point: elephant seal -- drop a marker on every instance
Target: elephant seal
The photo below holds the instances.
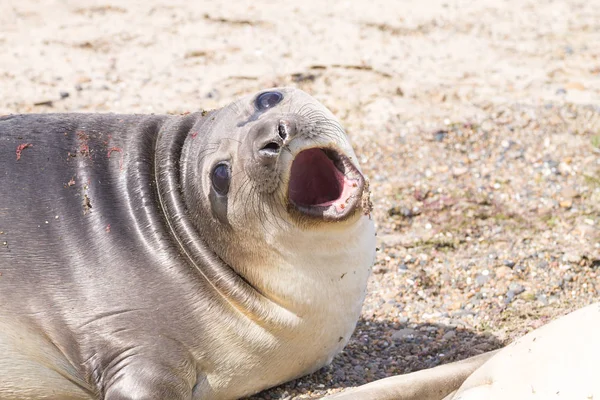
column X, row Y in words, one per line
column 559, row 360
column 201, row 256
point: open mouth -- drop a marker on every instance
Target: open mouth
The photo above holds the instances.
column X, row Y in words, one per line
column 324, row 183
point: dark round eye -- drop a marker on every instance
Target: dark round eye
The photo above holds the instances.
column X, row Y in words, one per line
column 221, row 176
column 268, row 99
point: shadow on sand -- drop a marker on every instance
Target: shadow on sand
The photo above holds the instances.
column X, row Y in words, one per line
column 381, row 349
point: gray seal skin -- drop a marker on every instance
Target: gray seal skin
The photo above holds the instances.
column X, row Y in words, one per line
column 203, row 256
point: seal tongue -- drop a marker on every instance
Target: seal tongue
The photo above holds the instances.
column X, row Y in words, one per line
column 314, row 179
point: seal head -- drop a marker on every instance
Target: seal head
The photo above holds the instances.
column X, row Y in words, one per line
column 288, row 153
column 271, row 165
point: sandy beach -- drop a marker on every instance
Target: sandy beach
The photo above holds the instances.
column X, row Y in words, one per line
column 478, row 124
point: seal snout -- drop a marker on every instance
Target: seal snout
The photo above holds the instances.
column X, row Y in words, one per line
column 324, row 183
column 272, row 137
column 283, row 129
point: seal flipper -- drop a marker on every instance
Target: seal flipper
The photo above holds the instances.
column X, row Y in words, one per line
column 432, row 384
column 147, row 382
column 151, row 378
column 154, row 367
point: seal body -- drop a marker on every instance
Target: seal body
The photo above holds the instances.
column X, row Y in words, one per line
column 209, row 255
column 558, row 360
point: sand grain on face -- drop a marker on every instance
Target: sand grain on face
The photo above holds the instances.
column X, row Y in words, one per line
column 477, row 123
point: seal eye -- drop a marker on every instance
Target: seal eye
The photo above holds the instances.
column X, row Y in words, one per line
column 268, row 99
column 221, row 176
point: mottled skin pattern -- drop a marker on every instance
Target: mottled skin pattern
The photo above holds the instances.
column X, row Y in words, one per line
column 123, row 276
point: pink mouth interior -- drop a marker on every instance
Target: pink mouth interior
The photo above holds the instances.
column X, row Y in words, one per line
column 315, row 180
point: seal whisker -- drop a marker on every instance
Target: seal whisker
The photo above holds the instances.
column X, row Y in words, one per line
column 317, row 115
column 241, row 186
column 318, row 122
column 240, row 189
column 205, row 153
column 248, row 203
column 335, row 126
column 304, row 108
column 324, row 129
column 266, row 214
column 238, row 141
column 329, row 130
column 236, row 106
column 259, row 208
column 256, row 206
column 277, row 204
column 268, row 208
column 291, row 103
column 314, row 114
column 209, row 147
column 330, row 135
column 272, row 207
column 326, row 122
column 208, row 150
column 261, row 212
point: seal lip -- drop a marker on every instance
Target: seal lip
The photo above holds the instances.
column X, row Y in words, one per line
column 339, row 202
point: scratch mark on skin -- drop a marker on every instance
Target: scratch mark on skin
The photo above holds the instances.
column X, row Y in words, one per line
column 22, row 147
column 84, row 148
column 87, row 204
column 120, row 151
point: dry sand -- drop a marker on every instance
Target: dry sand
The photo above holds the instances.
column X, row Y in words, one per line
column 478, row 123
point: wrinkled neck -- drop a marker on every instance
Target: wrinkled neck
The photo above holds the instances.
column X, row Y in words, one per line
column 171, row 160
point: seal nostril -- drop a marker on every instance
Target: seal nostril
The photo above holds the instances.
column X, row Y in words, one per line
column 271, row 148
column 282, row 130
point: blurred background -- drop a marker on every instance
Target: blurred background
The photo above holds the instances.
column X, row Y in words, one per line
column 478, row 123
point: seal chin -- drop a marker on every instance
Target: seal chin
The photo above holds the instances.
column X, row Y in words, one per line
column 324, row 184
